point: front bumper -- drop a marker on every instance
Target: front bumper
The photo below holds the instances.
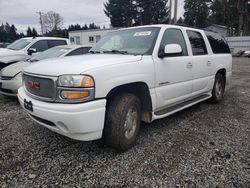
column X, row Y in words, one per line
column 83, row 121
column 10, row 87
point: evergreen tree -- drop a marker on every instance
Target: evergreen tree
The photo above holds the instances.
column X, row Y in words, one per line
column 29, row 32
column 196, row 13
column 34, row 32
column 126, row 13
column 152, row 12
column 8, row 33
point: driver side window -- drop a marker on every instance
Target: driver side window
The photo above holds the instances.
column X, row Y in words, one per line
column 174, row 36
column 40, row 46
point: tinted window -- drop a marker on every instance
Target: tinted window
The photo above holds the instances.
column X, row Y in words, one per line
column 40, row 46
column 79, row 51
column 217, row 43
column 197, row 43
column 174, row 36
column 53, row 43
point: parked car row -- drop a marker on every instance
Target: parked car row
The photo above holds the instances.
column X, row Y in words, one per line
column 242, row 54
column 11, row 76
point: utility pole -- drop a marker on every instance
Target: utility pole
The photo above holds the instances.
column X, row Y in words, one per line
column 41, row 21
column 175, row 11
column 170, row 11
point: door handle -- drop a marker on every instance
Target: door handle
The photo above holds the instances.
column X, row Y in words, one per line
column 209, row 63
column 189, row 65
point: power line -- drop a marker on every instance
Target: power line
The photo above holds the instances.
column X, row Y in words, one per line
column 41, row 20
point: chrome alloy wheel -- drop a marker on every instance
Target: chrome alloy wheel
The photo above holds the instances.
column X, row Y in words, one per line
column 219, row 88
column 131, row 122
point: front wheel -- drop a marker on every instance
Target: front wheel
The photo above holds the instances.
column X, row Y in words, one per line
column 122, row 122
column 218, row 89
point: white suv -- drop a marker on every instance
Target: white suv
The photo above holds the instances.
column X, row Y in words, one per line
column 23, row 48
column 141, row 73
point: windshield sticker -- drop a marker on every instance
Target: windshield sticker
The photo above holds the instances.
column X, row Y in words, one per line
column 142, row 33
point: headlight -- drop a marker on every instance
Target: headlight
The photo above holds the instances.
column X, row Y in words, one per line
column 18, row 76
column 76, row 81
column 76, row 88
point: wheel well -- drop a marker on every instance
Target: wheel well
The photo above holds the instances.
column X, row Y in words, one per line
column 223, row 73
column 141, row 90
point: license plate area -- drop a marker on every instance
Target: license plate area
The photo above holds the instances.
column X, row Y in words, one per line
column 28, row 105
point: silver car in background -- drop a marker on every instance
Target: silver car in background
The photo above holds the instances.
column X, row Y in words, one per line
column 11, row 76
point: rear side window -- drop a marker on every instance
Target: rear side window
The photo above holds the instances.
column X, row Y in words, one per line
column 79, row 51
column 197, row 43
column 217, row 43
column 174, row 36
column 40, row 46
column 53, row 43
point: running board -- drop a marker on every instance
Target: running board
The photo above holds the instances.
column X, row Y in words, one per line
column 181, row 105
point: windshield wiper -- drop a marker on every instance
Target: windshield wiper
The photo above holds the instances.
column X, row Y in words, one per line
column 33, row 60
column 94, row 52
column 116, row 52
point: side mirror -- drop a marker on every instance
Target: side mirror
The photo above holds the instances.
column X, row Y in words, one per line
column 170, row 50
column 31, row 51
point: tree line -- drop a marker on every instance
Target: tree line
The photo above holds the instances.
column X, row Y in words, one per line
column 198, row 13
column 234, row 14
column 8, row 33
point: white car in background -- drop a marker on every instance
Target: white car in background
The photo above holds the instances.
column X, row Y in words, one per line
column 24, row 48
column 11, row 76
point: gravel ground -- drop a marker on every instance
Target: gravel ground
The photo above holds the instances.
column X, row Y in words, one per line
column 203, row 146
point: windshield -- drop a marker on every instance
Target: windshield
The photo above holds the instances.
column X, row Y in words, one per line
column 51, row 53
column 19, row 44
column 138, row 41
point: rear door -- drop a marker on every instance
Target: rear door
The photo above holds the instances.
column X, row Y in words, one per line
column 202, row 64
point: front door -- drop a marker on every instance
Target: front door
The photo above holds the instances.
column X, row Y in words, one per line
column 173, row 74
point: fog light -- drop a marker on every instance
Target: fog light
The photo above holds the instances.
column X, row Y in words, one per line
column 71, row 95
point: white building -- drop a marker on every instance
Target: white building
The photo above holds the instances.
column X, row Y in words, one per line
column 88, row 37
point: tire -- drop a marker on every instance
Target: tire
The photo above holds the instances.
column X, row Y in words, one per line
column 218, row 89
column 118, row 134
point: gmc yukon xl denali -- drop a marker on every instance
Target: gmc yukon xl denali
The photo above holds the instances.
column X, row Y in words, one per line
column 131, row 75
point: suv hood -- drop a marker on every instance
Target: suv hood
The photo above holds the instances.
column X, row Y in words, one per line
column 7, row 52
column 13, row 69
column 79, row 64
column 8, row 56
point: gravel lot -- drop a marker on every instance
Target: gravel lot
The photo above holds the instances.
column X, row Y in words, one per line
column 203, row 146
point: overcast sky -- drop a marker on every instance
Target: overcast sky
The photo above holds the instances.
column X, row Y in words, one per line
column 22, row 13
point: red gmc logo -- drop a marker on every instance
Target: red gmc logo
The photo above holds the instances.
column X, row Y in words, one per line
column 33, row 85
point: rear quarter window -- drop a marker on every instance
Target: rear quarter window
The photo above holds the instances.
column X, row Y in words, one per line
column 197, row 43
column 53, row 43
column 217, row 43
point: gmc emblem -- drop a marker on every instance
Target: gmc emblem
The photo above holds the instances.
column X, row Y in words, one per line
column 34, row 85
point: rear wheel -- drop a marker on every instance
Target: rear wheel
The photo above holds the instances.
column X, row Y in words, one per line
column 122, row 122
column 218, row 89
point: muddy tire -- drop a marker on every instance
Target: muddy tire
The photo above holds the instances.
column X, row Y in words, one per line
column 218, row 89
column 122, row 123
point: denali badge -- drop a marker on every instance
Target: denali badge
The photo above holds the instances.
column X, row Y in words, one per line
column 34, row 85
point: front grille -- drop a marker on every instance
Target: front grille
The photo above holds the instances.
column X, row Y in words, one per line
column 2, row 65
column 46, row 89
column 6, row 90
column 6, row 77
